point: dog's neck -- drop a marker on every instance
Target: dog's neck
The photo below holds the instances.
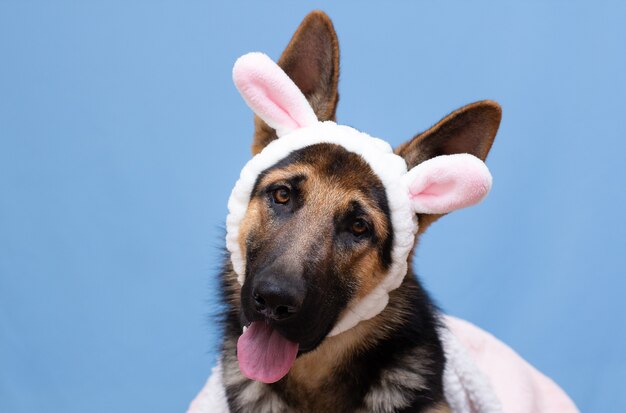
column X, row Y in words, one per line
column 313, row 369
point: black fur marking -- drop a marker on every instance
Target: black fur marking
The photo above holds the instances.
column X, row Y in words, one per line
column 419, row 332
column 379, row 195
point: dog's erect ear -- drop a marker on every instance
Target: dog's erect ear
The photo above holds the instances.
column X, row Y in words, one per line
column 311, row 60
column 470, row 129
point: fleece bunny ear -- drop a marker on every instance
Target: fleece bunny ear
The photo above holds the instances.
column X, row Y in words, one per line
column 448, row 182
column 271, row 94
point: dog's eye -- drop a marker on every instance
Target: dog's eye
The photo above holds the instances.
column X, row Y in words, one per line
column 359, row 227
column 281, row 195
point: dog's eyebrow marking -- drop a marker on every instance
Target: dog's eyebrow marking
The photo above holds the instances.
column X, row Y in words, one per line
column 294, row 182
column 273, row 181
column 358, row 208
column 294, row 174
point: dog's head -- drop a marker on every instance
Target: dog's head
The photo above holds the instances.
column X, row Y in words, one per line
column 320, row 230
column 316, row 234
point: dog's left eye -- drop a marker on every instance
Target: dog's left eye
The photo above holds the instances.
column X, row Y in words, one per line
column 281, row 195
column 359, row 227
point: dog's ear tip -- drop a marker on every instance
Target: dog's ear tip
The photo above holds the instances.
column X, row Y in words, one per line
column 318, row 16
column 490, row 109
column 489, row 103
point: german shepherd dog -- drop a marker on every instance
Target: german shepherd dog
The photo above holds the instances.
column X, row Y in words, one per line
column 316, row 235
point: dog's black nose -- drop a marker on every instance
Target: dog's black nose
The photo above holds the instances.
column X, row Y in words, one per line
column 278, row 301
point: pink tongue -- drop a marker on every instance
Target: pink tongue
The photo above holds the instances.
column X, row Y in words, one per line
column 265, row 355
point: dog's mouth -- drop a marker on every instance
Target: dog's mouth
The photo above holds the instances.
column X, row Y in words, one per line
column 264, row 354
column 283, row 320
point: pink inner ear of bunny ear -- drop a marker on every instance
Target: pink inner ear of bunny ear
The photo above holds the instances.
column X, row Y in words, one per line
column 271, row 93
column 448, row 182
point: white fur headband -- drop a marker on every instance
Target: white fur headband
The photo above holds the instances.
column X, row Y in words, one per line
column 436, row 186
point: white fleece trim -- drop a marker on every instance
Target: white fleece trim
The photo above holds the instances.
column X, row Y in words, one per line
column 466, row 388
column 389, row 167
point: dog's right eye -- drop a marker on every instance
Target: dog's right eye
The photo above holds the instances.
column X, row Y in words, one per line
column 281, row 195
column 359, row 227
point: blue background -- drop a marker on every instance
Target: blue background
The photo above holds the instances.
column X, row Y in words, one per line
column 121, row 136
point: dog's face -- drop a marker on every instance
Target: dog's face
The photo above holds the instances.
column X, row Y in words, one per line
column 316, row 234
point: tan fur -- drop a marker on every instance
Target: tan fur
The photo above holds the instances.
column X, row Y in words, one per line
column 441, row 408
column 253, row 217
column 312, row 369
column 368, row 272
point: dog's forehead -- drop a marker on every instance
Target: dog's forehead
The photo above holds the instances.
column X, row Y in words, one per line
column 328, row 162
